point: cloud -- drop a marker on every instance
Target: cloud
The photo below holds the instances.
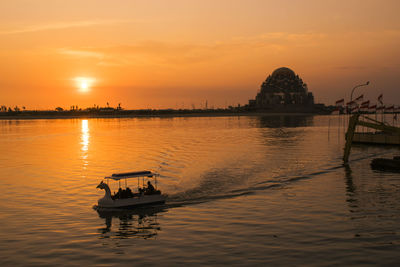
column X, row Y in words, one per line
column 80, row 53
column 100, row 55
column 61, row 26
column 145, row 53
column 351, row 67
column 164, row 53
column 242, row 48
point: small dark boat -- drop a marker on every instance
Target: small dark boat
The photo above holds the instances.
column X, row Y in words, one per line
column 383, row 164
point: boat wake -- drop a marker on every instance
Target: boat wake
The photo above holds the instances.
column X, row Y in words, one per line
column 223, row 184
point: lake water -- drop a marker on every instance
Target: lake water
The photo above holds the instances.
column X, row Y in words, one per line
column 242, row 191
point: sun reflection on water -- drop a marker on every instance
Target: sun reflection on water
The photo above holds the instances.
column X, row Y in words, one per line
column 85, row 141
column 85, row 135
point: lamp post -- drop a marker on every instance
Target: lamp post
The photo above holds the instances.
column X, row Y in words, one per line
column 352, row 91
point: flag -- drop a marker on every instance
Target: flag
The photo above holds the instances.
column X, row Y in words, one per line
column 364, row 106
column 380, row 109
column 372, row 108
column 380, row 99
column 351, row 104
column 336, row 111
column 340, row 102
column 390, row 109
column 360, row 98
column 354, row 109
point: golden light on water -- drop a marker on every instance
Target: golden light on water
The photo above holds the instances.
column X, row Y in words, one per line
column 85, row 142
column 85, row 135
column 84, row 84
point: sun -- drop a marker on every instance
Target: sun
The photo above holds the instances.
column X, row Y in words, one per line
column 84, row 84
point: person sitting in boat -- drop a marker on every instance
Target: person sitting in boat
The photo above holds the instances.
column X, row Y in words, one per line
column 141, row 190
column 118, row 194
column 129, row 193
column 150, row 188
column 123, row 193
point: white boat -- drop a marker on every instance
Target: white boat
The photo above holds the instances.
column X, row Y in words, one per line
column 125, row 198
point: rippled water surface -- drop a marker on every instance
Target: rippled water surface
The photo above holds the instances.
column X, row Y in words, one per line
column 242, row 191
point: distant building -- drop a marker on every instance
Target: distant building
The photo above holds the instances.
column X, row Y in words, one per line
column 283, row 90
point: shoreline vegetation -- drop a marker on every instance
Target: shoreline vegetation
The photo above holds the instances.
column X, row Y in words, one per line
column 109, row 112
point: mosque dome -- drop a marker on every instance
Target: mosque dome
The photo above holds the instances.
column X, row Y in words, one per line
column 283, row 87
column 283, row 73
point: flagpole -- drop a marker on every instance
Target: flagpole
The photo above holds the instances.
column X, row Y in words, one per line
column 339, row 105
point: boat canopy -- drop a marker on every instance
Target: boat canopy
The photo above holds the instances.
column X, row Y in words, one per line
column 125, row 175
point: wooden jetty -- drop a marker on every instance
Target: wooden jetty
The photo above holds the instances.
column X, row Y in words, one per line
column 385, row 134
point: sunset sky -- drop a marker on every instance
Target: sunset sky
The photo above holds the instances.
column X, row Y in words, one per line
column 179, row 53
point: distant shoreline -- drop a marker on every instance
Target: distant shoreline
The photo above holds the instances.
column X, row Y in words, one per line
column 22, row 116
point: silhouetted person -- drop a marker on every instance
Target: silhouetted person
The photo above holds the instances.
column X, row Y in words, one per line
column 119, row 193
column 129, row 192
column 123, row 193
column 150, row 188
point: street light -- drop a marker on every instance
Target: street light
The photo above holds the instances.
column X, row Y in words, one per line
column 352, row 91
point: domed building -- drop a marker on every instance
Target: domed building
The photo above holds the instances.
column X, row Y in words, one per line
column 283, row 89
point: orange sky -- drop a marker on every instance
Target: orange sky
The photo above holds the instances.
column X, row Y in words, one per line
column 168, row 54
